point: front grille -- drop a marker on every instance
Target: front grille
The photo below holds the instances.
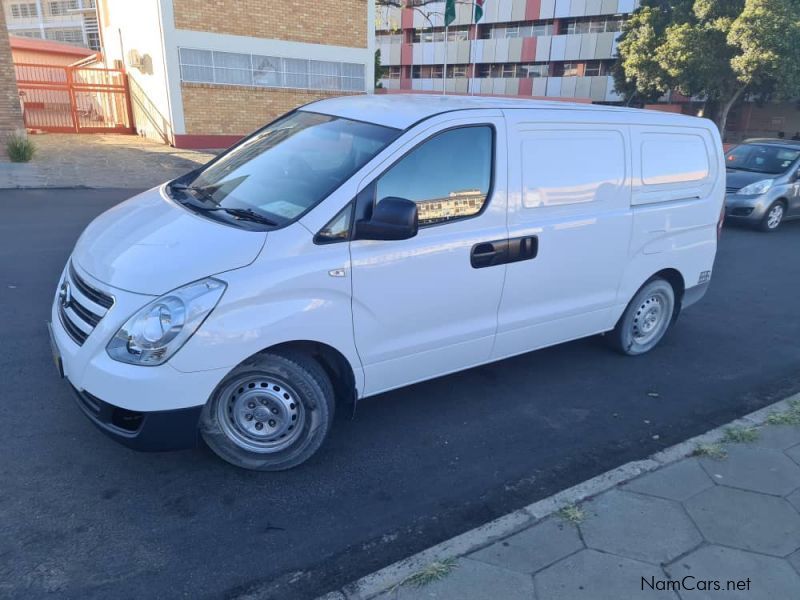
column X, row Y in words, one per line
column 731, row 190
column 81, row 306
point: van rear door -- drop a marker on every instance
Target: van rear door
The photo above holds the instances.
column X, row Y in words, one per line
column 570, row 187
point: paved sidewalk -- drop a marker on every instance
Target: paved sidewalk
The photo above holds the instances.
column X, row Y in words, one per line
column 99, row 161
column 715, row 517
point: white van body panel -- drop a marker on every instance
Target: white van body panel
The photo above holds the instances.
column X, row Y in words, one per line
column 405, row 311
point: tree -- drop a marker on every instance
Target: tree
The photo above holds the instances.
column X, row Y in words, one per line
column 379, row 70
column 718, row 50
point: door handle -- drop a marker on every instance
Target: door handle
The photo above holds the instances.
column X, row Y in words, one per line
column 500, row 252
column 488, row 254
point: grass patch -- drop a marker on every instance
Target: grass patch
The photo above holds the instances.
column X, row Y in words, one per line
column 20, row 148
column 740, row 435
column 572, row 514
column 790, row 417
column 715, row 451
column 436, row 571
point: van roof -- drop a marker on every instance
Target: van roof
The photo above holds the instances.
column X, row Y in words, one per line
column 404, row 110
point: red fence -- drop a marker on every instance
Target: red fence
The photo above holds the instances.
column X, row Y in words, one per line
column 74, row 99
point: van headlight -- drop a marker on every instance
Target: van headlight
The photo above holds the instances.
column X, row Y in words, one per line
column 759, row 187
column 156, row 332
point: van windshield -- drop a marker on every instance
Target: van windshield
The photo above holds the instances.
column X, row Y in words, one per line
column 761, row 158
column 283, row 170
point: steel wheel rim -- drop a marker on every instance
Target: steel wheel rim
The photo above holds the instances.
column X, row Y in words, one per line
column 260, row 413
column 651, row 318
column 775, row 216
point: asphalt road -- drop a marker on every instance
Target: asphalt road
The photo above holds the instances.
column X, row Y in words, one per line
column 81, row 517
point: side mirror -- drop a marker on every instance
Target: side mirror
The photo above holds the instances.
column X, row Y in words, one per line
column 392, row 219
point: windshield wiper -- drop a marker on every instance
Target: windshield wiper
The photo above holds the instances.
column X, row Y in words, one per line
column 200, row 193
column 244, row 214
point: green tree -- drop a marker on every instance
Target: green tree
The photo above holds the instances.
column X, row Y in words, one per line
column 379, row 69
column 719, row 50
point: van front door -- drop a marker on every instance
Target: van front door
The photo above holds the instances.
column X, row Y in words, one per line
column 420, row 309
column 570, row 187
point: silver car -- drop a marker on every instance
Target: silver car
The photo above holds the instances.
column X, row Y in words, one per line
column 763, row 182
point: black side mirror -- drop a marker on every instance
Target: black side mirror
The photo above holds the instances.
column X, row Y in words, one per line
column 392, row 219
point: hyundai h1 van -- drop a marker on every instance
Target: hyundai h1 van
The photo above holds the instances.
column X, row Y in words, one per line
column 361, row 244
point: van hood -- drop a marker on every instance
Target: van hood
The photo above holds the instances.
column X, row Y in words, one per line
column 150, row 245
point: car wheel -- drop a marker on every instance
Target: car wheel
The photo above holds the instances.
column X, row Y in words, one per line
column 774, row 216
column 271, row 413
column 646, row 319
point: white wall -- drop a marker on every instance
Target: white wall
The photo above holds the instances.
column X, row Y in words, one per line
column 136, row 26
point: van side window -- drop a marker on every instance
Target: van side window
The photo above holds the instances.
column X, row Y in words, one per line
column 673, row 158
column 571, row 166
column 448, row 176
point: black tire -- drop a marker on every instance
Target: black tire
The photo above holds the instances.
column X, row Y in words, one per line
column 768, row 222
column 630, row 336
column 309, row 393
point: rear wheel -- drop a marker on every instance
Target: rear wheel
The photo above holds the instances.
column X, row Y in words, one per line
column 271, row 413
column 646, row 319
column 774, row 216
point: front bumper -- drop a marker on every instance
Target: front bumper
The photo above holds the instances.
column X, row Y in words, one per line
column 745, row 208
column 146, row 431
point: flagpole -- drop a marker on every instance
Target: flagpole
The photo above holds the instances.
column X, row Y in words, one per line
column 444, row 74
column 471, row 57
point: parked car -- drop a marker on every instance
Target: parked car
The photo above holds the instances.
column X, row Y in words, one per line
column 361, row 244
column 763, row 182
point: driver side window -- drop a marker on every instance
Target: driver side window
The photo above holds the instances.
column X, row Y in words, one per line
column 448, row 176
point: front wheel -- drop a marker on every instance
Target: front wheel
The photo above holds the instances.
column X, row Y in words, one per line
column 271, row 413
column 645, row 320
column 774, row 217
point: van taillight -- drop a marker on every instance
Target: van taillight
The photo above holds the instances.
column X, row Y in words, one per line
column 720, row 222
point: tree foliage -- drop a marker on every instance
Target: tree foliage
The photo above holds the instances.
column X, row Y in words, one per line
column 717, row 50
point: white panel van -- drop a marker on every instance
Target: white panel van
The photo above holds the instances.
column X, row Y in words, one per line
column 361, row 244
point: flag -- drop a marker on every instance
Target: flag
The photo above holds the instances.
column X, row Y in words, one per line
column 479, row 10
column 449, row 12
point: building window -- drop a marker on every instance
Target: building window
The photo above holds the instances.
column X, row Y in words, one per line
column 391, row 72
column 228, row 68
column 516, row 30
column 567, row 69
column 68, row 36
column 26, row 10
column 28, row 33
column 62, row 7
column 454, row 34
column 595, row 68
column 427, row 71
column 594, row 25
column 387, row 37
column 513, row 70
column 445, row 182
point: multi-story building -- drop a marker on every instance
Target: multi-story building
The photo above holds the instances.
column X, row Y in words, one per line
column 203, row 73
column 68, row 21
column 540, row 48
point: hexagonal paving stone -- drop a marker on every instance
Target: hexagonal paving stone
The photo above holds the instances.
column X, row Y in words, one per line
column 746, row 520
column 794, row 499
column 756, row 469
column 592, row 575
column 770, row 578
column 469, row 580
column 779, row 437
column 641, row 527
column 677, row 481
column 794, row 453
column 534, row 548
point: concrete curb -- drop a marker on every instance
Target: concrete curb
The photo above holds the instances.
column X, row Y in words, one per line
column 392, row 576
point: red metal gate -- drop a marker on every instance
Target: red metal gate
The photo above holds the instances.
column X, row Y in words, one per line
column 74, row 99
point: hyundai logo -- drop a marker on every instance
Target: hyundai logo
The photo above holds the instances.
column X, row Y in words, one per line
column 65, row 295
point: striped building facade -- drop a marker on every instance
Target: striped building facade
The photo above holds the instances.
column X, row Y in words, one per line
column 539, row 48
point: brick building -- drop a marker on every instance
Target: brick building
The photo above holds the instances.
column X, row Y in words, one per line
column 10, row 112
column 205, row 72
column 542, row 48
